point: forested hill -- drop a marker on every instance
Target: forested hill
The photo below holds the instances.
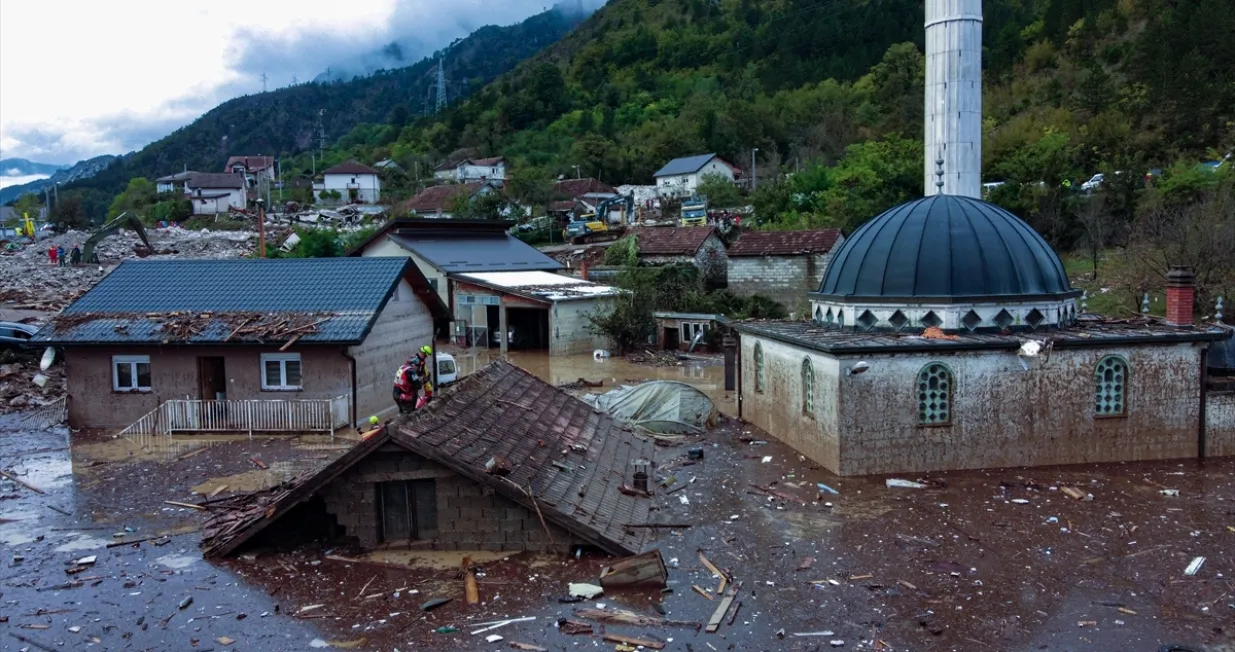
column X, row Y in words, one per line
column 643, row 81
column 283, row 121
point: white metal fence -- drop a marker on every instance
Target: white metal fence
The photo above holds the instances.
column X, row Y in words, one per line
column 46, row 416
column 248, row 416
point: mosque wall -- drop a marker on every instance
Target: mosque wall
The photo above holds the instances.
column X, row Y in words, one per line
column 1003, row 415
column 1220, row 424
column 776, row 404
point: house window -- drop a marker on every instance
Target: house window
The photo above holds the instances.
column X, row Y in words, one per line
column 758, row 367
column 690, row 329
column 935, row 395
column 407, row 511
column 1111, row 387
column 130, row 373
column 808, row 388
column 280, row 371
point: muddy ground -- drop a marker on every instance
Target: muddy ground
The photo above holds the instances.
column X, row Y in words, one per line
column 992, row 560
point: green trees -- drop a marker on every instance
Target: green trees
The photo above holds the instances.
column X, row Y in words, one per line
column 139, row 194
column 719, row 190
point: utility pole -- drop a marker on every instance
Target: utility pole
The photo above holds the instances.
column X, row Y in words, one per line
column 261, row 228
column 321, row 133
column 263, row 82
column 576, row 171
column 754, row 172
column 441, row 83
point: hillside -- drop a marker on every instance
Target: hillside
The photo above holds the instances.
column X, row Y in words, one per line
column 62, row 175
column 283, row 120
column 20, row 167
column 643, row 81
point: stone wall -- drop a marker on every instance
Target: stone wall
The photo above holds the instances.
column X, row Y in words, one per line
column 777, row 406
column 783, row 278
column 326, row 373
column 713, row 262
column 404, row 325
column 1002, row 415
column 570, row 329
column 470, row 516
column 1220, row 424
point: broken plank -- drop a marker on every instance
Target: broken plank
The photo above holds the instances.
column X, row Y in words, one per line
column 180, row 504
column 218, row 490
column 702, row 592
column 191, row 453
column 258, row 461
column 22, row 482
column 287, row 345
column 709, row 565
column 637, row 642
column 117, row 544
column 721, row 609
column 528, row 647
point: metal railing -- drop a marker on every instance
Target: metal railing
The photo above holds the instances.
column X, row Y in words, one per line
column 46, row 416
column 325, row 415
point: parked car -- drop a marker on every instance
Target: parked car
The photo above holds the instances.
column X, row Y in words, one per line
column 1094, row 183
column 14, row 335
column 447, row 370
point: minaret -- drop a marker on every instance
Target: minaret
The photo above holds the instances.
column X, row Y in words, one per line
column 954, row 96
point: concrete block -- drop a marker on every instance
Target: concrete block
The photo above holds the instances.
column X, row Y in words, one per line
column 469, row 489
column 510, row 525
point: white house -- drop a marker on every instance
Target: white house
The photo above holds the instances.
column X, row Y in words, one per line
column 355, row 182
column 680, row 177
column 212, row 193
column 253, row 168
column 473, row 170
column 172, row 182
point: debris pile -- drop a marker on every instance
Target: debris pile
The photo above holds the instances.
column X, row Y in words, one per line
column 23, row 386
column 183, row 326
column 234, row 513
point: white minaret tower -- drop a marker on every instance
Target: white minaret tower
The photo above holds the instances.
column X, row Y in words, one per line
column 954, row 96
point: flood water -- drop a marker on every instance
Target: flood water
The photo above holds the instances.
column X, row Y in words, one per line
column 982, row 560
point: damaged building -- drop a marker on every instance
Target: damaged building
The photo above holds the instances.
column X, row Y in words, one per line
column 210, row 344
column 500, row 461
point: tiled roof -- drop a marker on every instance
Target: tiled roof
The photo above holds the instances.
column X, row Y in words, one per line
column 252, row 163
column 431, row 200
column 179, row 176
column 214, row 180
column 131, row 304
column 505, row 412
column 350, row 167
column 487, row 162
column 671, row 241
column 784, row 243
column 684, row 165
column 581, row 187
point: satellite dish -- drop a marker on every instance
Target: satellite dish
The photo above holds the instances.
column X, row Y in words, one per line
column 49, row 358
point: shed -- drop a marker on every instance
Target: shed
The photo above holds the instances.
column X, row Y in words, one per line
column 698, row 246
column 781, row 264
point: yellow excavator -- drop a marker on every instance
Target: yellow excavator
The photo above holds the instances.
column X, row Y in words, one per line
column 122, row 221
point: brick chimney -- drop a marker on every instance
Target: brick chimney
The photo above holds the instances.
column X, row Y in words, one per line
column 583, row 270
column 1180, row 294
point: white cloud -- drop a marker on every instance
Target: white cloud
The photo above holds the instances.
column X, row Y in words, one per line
column 79, row 78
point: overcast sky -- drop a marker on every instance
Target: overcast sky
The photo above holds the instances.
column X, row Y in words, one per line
column 79, row 78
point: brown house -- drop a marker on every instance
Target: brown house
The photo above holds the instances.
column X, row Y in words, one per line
column 698, row 246
column 500, row 461
column 439, row 201
column 241, row 345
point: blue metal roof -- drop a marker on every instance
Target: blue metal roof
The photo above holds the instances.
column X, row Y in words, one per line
column 945, row 246
column 684, row 165
column 131, row 304
column 477, row 253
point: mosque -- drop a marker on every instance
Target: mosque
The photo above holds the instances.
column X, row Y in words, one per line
column 946, row 335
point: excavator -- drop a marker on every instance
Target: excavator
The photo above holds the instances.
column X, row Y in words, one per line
column 122, row 221
column 592, row 227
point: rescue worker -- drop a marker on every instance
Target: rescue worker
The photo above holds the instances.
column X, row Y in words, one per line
column 407, row 385
column 422, row 357
column 375, row 427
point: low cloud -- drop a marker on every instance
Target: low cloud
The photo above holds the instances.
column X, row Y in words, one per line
column 416, row 29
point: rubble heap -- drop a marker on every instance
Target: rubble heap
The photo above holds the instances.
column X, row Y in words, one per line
column 233, row 513
column 183, row 326
column 18, row 389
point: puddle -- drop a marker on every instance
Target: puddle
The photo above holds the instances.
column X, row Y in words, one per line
column 17, row 538
column 83, row 541
column 260, row 479
column 177, row 562
column 435, row 559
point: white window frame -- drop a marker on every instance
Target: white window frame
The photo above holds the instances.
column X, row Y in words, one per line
column 281, row 384
column 131, row 361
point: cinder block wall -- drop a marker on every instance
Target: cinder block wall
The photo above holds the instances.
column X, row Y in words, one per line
column 570, row 330
column 404, row 326
column 470, row 516
column 783, row 278
column 1220, row 424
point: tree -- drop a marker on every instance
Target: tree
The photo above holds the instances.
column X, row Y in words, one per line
column 398, row 116
column 531, row 186
column 897, row 84
column 487, row 206
column 594, row 153
column 139, row 194
column 69, row 213
column 1097, row 223
column 719, row 190
column 318, row 243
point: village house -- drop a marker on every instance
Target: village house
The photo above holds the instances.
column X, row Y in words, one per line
column 254, row 168
column 576, row 197
column 681, row 176
column 218, row 343
column 495, row 283
column 700, row 247
column 781, row 265
column 355, row 183
column 439, row 201
column 921, row 355
column 469, row 170
column 468, row 472
column 387, row 164
column 677, row 331
column 212, row 193
column 173, row 182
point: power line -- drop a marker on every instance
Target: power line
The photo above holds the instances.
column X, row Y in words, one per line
column 441, row 83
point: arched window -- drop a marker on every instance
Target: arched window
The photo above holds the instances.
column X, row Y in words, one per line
column 758, row 367
column 935, row 395
column 1111, row 387
column 808, row 388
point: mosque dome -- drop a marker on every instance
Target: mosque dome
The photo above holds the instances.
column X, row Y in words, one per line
column 948, row 261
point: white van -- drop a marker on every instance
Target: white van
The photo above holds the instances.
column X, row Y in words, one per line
column 447, row 370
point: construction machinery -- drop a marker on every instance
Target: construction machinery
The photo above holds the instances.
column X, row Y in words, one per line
column 125, row 220
column 695, row 211
column 595, row 226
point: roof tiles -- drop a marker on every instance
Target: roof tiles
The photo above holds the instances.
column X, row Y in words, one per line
column 784, row 243
column 671, row 241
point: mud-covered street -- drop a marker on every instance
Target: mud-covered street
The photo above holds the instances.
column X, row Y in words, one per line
column 991, row 560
